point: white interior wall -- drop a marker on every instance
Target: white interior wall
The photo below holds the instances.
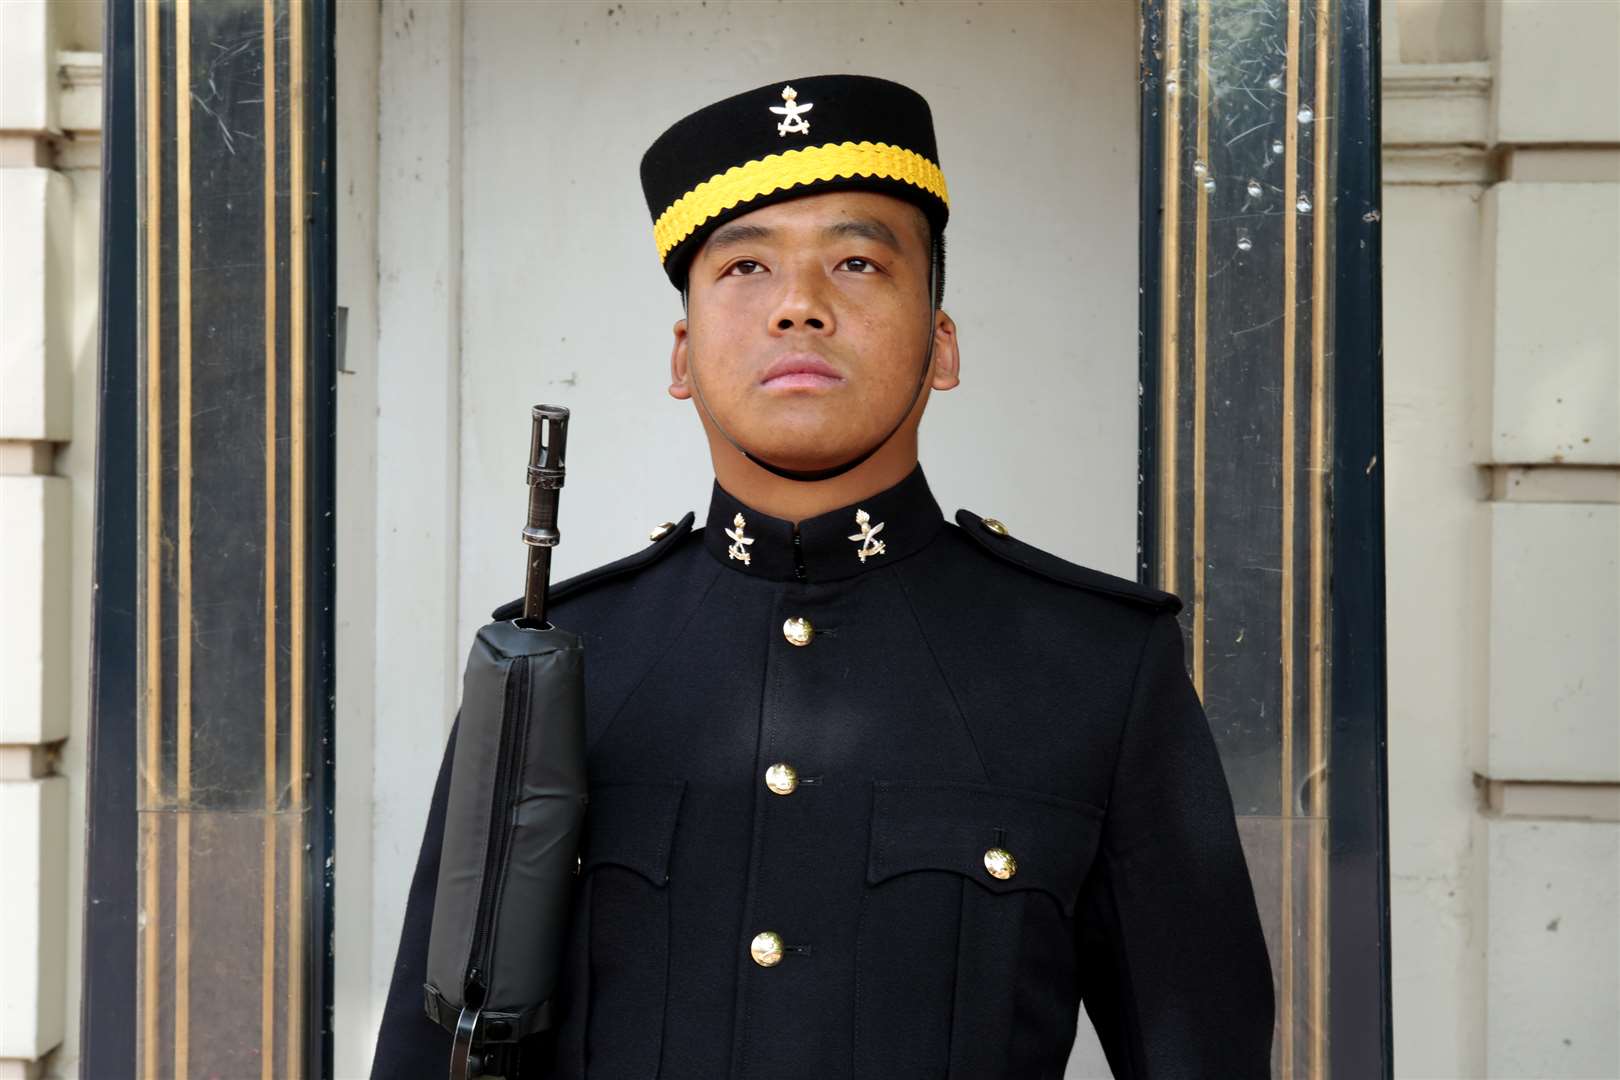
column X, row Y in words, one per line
column 515, row 264
column 354, row 1008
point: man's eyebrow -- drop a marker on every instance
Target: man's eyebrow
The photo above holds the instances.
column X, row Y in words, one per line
column 736, row 233
column 866, row 229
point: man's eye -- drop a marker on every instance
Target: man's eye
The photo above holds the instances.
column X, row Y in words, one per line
column 744, row 267
column 860, row 265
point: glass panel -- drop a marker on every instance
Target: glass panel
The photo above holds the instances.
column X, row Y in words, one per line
column 224, row 734
column 1245, row 372
column 219, row 921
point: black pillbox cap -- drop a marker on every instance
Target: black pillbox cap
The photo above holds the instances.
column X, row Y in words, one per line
column 781, row 141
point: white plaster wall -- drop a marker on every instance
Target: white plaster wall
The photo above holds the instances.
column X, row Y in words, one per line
column 415, row 675
column 1437, row 567
column 355, row 1008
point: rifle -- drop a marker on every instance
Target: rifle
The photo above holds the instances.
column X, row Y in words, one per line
column 516, row 807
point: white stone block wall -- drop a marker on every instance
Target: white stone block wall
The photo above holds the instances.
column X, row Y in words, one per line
column 1554, row 661
column 1502, row 430
column 1554, row 941
column 50, row 117
column 33, row 917
column 34, row 303
column 1550, row 330
column 1556, row 80
column 34, row 534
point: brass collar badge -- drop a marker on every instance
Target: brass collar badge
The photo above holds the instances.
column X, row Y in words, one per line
column 867, row 536
column 739, row 542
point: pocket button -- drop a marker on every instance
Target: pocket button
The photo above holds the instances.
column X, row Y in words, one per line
column 1000, row 863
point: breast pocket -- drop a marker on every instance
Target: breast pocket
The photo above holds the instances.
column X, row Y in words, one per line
column 620, row 962
column 965, row 925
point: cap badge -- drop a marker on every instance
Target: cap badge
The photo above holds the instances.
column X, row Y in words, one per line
column 793, row 122
column 739, row 542
column 867, row 537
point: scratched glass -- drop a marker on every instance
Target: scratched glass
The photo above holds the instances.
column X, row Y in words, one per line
column 1246, row 367
column 223, row 877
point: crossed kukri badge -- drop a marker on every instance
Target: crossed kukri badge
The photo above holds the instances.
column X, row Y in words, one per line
column 792, row 113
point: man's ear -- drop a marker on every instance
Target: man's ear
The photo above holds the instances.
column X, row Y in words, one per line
column 678, row 372
column 947, row 357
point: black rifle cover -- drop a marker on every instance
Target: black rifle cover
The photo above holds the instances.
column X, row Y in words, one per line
column 513, row 820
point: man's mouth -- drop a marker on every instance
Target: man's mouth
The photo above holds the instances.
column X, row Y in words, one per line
column 800, row 371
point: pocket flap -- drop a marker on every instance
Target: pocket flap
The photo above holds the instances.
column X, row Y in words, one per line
column 950, row 827
column 632, row 825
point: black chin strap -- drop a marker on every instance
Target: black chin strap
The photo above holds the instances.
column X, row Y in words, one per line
column 836, row 470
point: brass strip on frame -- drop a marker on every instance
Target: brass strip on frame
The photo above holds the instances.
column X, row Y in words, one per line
column 1316, row 674
column 152, row 645
column 267, row 976
column 1169, row 314
column 297, row 693
column 1200, row 357
column 1289, row 422
column 183, row 628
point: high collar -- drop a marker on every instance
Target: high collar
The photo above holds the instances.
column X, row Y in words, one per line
column 898, row 521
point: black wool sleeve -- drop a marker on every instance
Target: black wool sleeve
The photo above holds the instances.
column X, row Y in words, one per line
column 1172, row 963
column 408, row 1043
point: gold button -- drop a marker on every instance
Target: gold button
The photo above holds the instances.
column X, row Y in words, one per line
column 766, row 949
column 995, row 526
column 660, row 530
column 782, row 778
column 798, row 630
column 1000, row 863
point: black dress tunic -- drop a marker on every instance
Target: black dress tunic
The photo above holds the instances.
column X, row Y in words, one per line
column 976, row 789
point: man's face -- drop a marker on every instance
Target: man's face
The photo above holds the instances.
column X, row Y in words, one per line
column 807, row 326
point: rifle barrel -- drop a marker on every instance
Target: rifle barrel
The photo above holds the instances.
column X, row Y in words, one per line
column 548, row 445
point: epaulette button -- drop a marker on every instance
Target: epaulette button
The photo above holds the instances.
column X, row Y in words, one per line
column 995, row 526
column 660, row 530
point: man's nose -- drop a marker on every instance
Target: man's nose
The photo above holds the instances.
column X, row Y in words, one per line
column 802, row 305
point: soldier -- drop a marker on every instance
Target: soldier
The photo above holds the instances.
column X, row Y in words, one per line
column 873, row 794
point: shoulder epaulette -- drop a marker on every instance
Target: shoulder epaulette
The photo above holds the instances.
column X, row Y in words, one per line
column 665, row 539
column 994, row 538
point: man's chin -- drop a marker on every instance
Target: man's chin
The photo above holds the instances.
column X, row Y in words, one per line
column 807, row 454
